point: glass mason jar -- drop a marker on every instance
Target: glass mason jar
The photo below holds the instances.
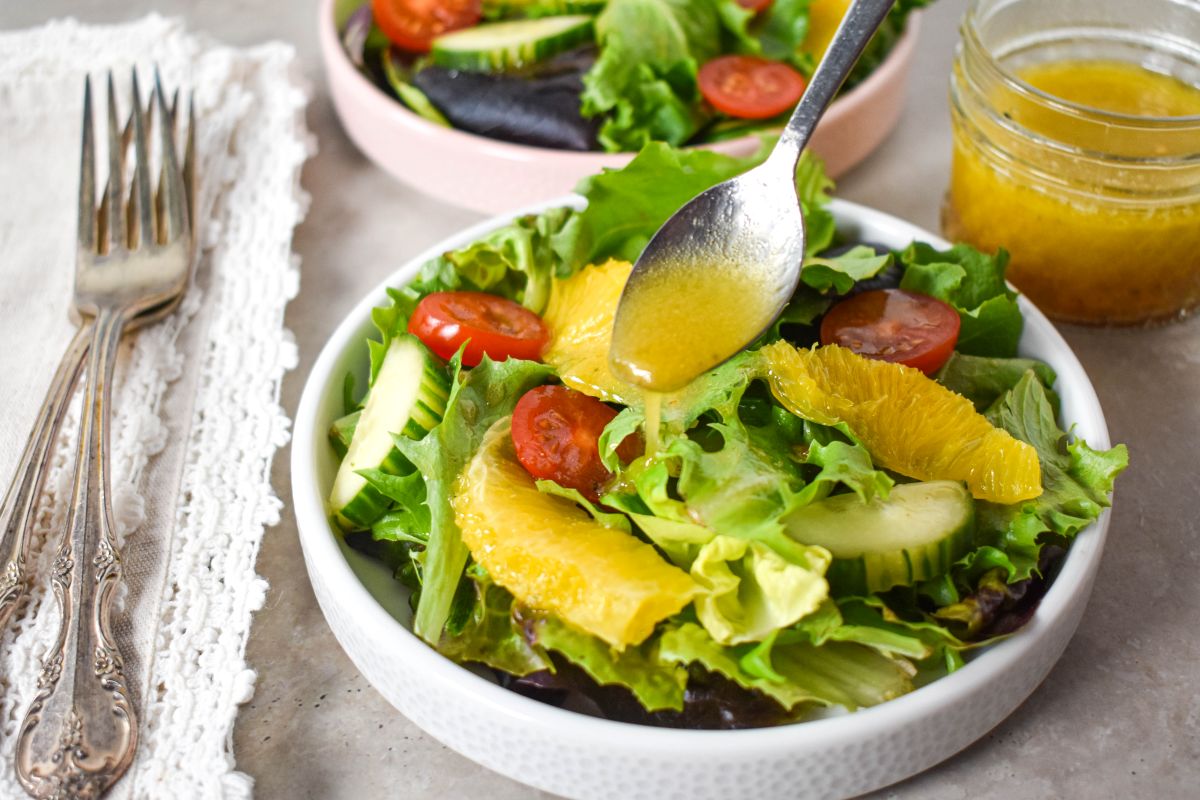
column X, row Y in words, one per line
column 1099, row 210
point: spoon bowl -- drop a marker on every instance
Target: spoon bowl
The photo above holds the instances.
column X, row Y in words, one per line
column 741, row 242
column 721, row 270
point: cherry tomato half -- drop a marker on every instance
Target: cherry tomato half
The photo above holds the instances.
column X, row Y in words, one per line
column 894, row 325
column 490, row 325
column 755, row 5
column 556, row 432
column 413, row 24
column 750, row 87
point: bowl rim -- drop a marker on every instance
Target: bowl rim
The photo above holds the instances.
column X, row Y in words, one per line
column 322, row 552
column 335, row 58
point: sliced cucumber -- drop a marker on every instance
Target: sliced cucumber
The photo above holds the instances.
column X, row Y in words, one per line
column 498, row 46
column 408, row 397
column 500, row 9
column 341, row 432
column 914, row 535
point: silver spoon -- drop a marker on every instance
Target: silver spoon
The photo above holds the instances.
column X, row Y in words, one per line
column 741, row 243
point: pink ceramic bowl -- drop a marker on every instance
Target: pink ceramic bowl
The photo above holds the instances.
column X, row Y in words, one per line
column 491, row 176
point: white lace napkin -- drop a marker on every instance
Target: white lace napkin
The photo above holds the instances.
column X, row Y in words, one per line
column 197, row 418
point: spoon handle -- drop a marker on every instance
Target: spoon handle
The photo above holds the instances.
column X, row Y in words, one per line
column 857, row 28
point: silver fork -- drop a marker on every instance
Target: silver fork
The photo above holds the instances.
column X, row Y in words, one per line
column 80, row 732
column 20, row 501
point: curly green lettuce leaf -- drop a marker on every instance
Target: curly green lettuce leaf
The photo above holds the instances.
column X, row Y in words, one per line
column 657, row 684
column 1078, row 482
column 972, row 282
column 680, row 540
column 606, row 518
column 515, row 261
column 478, row 397
column 625, row 424
column 806, row 307
column 490, row 633
column 740, row 489
column 866, row 621
column 689, row 644
column 847, row 463
column 626, row 206
column 869, row 621
column 839, row 274
column 763, row 460
column 736, row 20
column 983, row 380
column 732, row 463
column 781, row 31
column 409, row 519
column 813, row 188
column 749, row 591
column 718, row 393
column 832, row 674
column 390, row 320
column 644, row 80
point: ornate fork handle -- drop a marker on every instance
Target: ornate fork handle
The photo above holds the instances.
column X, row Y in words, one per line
column 20, row 502
column 80, row 732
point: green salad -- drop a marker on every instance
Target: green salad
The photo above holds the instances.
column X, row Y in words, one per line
column 606, row 75
column 832, row 518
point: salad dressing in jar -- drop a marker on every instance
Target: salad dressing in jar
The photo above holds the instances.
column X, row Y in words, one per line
column 1077, row 149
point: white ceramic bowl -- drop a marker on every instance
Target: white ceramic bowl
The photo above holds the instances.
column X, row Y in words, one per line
column 583, row 757
column 492, row 176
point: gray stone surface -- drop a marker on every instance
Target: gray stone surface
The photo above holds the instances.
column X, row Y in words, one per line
column 1119, row 717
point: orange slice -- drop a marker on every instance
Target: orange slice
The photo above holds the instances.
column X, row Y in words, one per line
column 554, row 557
column 824, row 16
column 580, row 317
column 910, row 423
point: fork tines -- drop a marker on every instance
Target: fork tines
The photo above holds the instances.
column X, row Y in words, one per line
column 147, row 217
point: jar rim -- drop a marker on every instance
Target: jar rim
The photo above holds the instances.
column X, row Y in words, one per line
column 1011, row 81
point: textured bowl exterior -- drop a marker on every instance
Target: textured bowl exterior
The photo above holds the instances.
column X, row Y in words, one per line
column 491, row 176
column 582, row 757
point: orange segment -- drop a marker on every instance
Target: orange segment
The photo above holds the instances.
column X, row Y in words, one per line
column 580, row 317
column 554, row 557
column 910, row 423
column 824, row 16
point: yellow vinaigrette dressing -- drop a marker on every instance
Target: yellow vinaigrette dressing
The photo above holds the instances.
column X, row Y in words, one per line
column 653, row 411
column 1091, row 183
column 681, row 321
column 1115, row 86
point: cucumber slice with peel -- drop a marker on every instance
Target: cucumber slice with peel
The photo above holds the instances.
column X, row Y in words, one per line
column 408, row 398
column 497, row 46
column 912, row 536
column 500, row 9
column 341, row 432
